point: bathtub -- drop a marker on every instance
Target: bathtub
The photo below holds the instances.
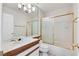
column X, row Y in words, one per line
column 58, row 51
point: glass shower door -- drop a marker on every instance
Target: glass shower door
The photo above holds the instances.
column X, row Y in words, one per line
column 47, row 30
column 58, row 31
column 63, row 31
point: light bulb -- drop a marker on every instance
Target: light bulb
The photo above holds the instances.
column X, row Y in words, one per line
column 25, row 9
column 29, row 5
column 19, row 5
column 33, row 8
column 29, row 11
column 23, row 3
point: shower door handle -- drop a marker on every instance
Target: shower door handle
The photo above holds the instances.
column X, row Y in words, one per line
column 75, row 45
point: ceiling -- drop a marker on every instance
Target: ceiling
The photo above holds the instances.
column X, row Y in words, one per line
column 45, row 7
column 48, row 7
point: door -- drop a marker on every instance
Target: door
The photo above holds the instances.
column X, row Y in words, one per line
column 8, row 26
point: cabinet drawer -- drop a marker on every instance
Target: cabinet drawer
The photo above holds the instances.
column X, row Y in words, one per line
column 24, row 53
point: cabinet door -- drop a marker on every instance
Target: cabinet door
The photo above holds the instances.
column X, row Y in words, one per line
column 63, row 31
column 35, row 53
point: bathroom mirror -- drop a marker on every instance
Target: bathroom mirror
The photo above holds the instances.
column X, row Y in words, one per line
column 34, row 23
column 23, row 23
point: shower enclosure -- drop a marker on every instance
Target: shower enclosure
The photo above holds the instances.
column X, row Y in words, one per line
column 59, row 30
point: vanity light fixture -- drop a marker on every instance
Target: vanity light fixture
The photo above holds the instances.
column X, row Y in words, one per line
column 24, row 8
column 33, row 8
column 29, row 11
column 27, row 7
column 19, row 5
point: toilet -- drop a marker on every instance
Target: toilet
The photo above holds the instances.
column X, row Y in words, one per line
column 44, row 48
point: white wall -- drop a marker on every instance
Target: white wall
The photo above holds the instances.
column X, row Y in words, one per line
column 0, row 24
column 0, row 28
